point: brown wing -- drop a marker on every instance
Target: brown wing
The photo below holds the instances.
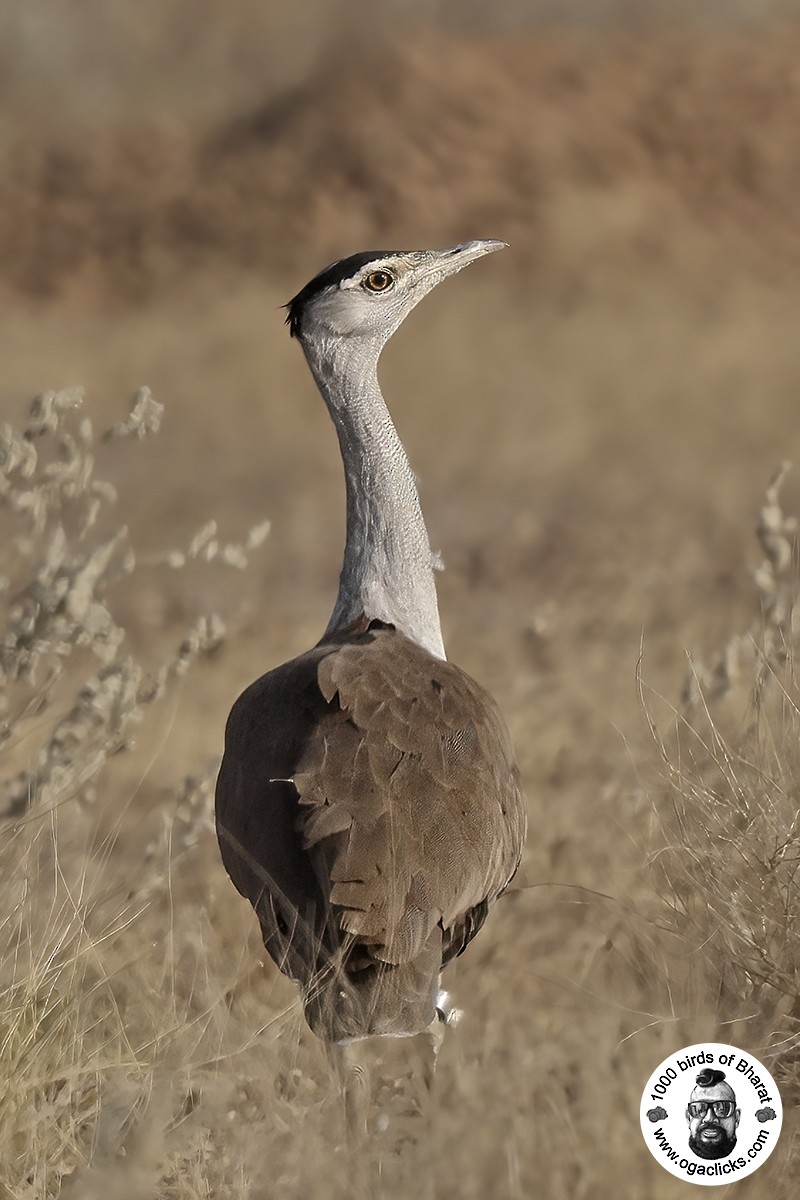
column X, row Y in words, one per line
column 403, row 819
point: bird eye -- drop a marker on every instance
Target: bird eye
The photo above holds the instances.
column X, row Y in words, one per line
column 378, row 281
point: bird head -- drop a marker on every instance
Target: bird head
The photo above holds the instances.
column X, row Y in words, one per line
column 368, row 295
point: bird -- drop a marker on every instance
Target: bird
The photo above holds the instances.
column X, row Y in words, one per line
column 368, row 803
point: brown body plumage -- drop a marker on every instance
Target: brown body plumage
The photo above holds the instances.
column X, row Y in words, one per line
column 370, row 810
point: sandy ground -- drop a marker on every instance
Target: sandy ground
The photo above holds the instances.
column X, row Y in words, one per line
column 593, row 417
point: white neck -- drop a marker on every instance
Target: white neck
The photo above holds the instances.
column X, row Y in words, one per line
column 387, row 572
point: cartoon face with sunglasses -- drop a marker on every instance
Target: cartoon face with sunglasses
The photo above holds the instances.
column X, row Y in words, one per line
column 712, row 1116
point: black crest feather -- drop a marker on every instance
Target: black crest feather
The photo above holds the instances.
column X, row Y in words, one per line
column 330, row 276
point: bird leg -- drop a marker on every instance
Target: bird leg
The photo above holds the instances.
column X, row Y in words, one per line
column 353, row 1081
column 387, row 1088
column 385, row 1083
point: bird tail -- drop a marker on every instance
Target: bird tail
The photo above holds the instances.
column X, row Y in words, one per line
column 354, row 996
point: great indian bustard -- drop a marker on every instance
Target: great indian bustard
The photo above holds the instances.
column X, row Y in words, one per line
column 368, row 804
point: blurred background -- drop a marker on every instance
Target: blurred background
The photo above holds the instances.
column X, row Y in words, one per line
column 593, row 415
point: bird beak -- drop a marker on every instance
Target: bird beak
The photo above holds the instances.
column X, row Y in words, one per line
column 455, row 258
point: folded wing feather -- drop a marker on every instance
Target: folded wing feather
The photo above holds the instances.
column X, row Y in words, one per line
column 404, row 809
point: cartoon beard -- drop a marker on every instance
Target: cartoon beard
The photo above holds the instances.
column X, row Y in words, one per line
column 716, row 1144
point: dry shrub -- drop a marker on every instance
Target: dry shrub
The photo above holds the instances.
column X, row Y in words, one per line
column 731, row 823
column 94, row 995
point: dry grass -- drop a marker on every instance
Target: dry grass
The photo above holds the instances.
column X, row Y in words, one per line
column 639, row 359
column 731, row 835
column 141, row 1056
column 77, row 1064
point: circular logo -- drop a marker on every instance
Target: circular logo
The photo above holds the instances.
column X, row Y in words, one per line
column 711, row 1114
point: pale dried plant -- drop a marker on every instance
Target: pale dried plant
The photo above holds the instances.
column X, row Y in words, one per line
column 729, row 864
column 55, row 582
column 86, row 1027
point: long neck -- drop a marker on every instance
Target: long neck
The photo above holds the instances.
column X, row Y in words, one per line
column 387, row 571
